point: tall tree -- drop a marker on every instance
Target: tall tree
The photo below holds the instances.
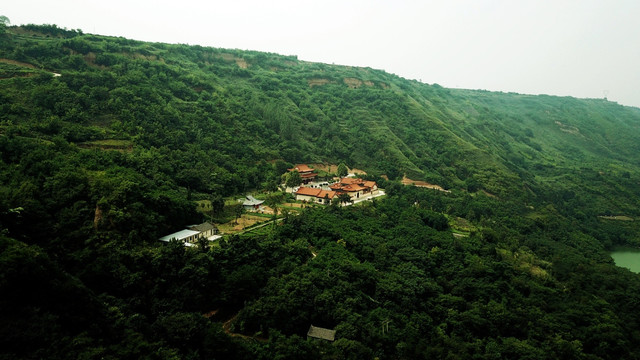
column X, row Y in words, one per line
column 217, row 204
column 273, row 201
column 4, row 22
column 238, row 210
column 344, row 198
column 343, row 170
column 293, row 179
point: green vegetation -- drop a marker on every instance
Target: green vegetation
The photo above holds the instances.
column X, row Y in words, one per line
column 292, row 179
column 342, row 170
column 135, row 140
column 4, row 22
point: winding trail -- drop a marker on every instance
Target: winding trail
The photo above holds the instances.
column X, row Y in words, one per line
column 27, row 65
column 226, row 326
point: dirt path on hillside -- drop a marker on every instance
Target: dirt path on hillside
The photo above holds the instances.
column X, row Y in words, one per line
column 332, row 169
column 424, row 184
column 226, row 326
column 27, row 65
column 18, row 63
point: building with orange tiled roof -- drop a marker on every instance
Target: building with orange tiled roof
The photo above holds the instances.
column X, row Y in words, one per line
column 306, row 173
column 370, row 184
column 349, row 181
column 355, row 187
column 315, row 195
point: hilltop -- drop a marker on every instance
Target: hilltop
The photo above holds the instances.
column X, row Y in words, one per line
column 107, row 143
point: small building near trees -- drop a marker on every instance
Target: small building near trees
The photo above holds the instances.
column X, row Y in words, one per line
column 205, row 229
column 250, row 203
column 192, row 233
column 355, row 187
column 315, row 195
column 321, row 333
column 306, row 173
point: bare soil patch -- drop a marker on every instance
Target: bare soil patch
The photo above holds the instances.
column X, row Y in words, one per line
column 296, row 205
column 318, row 82
column 424, row 184
column 244, row 221
column 353, row 82
column 23, row 64
column 242, row 63
column 332, row 168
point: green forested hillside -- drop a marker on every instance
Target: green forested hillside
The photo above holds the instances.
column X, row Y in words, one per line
column 106, row 143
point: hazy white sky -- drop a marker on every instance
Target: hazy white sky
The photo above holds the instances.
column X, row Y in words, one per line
column 559, row 47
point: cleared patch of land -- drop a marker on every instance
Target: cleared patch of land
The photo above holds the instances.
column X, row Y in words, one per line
column 244, row 222
column 332, row 169
column 13, row 68
column 120, row 145
column 294, row 205
column 318, row 82
column 525, row 261
column 424, row 184
column 617, row 217
column 461, row 227
column 242, row 63
column 18, row 63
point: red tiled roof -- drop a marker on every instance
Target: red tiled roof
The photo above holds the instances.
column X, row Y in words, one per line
column 330, row 194
column 319, row 193
column 302, row 168
column 369, row 184
column 348, row 181
column 308, row 175
column 308, row 191
column 352, row 187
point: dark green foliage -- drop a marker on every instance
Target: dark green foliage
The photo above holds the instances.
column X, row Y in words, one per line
column 392, row 285
column 293, row 179
column 99, row 162
column 342, row 170
column 4, row 22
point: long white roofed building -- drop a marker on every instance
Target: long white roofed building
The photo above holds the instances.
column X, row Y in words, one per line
column 192, row 233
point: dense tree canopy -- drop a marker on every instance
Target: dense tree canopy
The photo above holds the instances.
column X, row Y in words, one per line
column 106, row 144
column 293, row 179
column 342, row 170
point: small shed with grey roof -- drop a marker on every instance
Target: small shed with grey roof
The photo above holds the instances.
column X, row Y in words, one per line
column 206, row 229
column 321, row 333
column 251, row 203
